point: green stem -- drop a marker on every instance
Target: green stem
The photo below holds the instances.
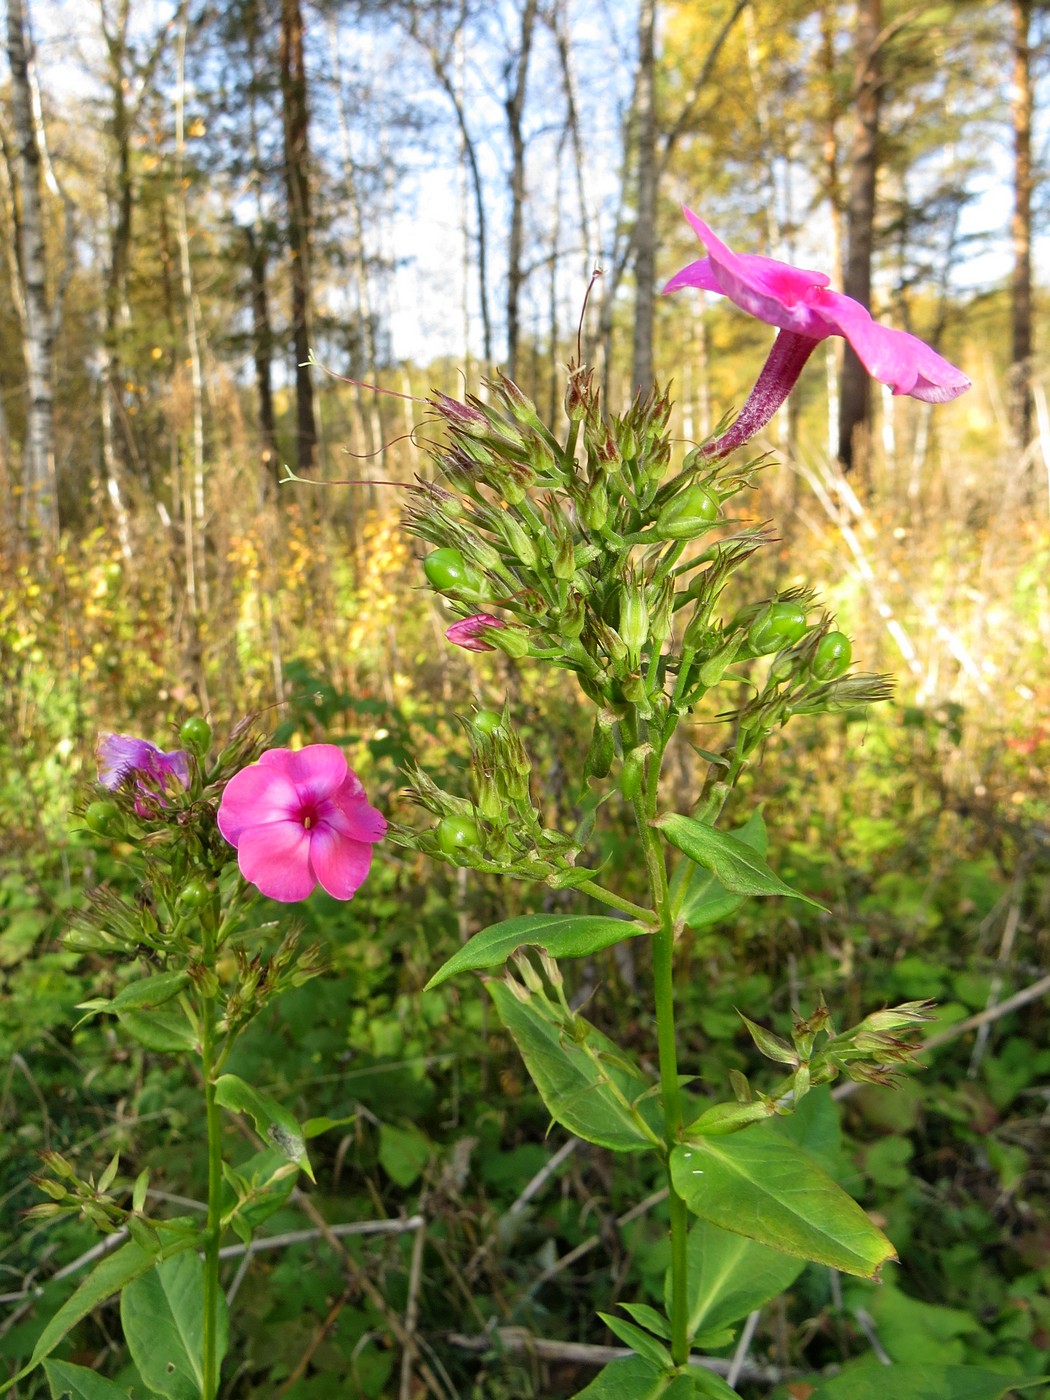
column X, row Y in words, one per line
column 209, row 1364
column 663, row 987
column 615, row 901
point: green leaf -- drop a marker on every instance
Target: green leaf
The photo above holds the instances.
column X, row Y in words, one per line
column 165, row 1030
column 631, row 1378
column 403, row 1152
column 754, row 1183
column 272, row 1121
column 563, row 936
column 268, row 1181
column 698, row 898
column 638, row 1340
column 146, row 994
column 111, row 1274
column 314, row 1127
column 731, row 1275
column 583, row 1082
column 79, row 1383
column 731, row 860
column 873, row 1382
column 649, row 1318
column 162, row 1314
column 815, row 1127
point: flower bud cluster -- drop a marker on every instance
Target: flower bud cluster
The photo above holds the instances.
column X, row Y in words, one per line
column 499, row 828
column 869, row 1053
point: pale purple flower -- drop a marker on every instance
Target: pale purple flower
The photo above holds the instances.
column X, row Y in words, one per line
column 120, row 756
column 298, row 819
column 806, row 312
column 467, row 633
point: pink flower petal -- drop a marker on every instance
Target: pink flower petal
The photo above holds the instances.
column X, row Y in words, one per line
column 800, row 302
column 467, row 632
column 275, row 857
column 349, row 813
column 340, row 864
column 253, row 796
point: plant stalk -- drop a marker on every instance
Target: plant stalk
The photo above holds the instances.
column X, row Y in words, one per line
column 209, row 1361
column 663, row 987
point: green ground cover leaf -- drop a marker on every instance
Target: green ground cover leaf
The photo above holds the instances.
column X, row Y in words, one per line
column 563, row 936
column 874, row 1382
column 162, row 1314
column 756, row 1184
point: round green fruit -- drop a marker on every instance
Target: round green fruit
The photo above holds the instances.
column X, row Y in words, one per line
column 195, row 733
column 780, row 626
column 457, row 834
column 688, row 514
column 449, row 572
column 832, row 657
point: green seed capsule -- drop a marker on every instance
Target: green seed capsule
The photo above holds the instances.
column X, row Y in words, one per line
column 832, row 657
column 448, row 572
column 456, row 834
column 103, row 818
column 195, row 733
column 688, row 514
column 780, row 625
column 487, row 721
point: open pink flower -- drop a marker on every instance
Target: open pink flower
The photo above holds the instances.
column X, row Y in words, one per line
column 119, row 756
column 806, row 312
column 467, row 633
column 298, row 819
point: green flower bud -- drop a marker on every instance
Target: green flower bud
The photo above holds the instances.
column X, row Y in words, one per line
column 634, row 622
column 688, row 514
column 522, row 546
column 602, row 748
column 632, row 775
column 832, row 657
column 595, row 508
column 509, row 640
column 194, row 894
column 564, row 562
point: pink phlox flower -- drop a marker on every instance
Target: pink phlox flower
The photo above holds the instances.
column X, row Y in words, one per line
column 805, row 310
column 119, row 756
column 467, row 633
column 298, row 819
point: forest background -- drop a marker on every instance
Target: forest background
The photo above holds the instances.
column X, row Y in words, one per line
column 220, row 225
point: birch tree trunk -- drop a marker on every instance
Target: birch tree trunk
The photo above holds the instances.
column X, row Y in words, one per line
column 39, row 506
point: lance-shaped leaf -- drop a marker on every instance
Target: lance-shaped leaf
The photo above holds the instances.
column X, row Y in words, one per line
column 586, row 1082
column 272, row 1121
column 734, row 863
column 754, row 1183
column 698, row 897
column 563, row 936
column 639, row 1378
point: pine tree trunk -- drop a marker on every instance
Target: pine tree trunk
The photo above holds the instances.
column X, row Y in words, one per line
column 39, row 504
column 262, row 351
column 855, row 397
column 297, row 187
column 1021, row 232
